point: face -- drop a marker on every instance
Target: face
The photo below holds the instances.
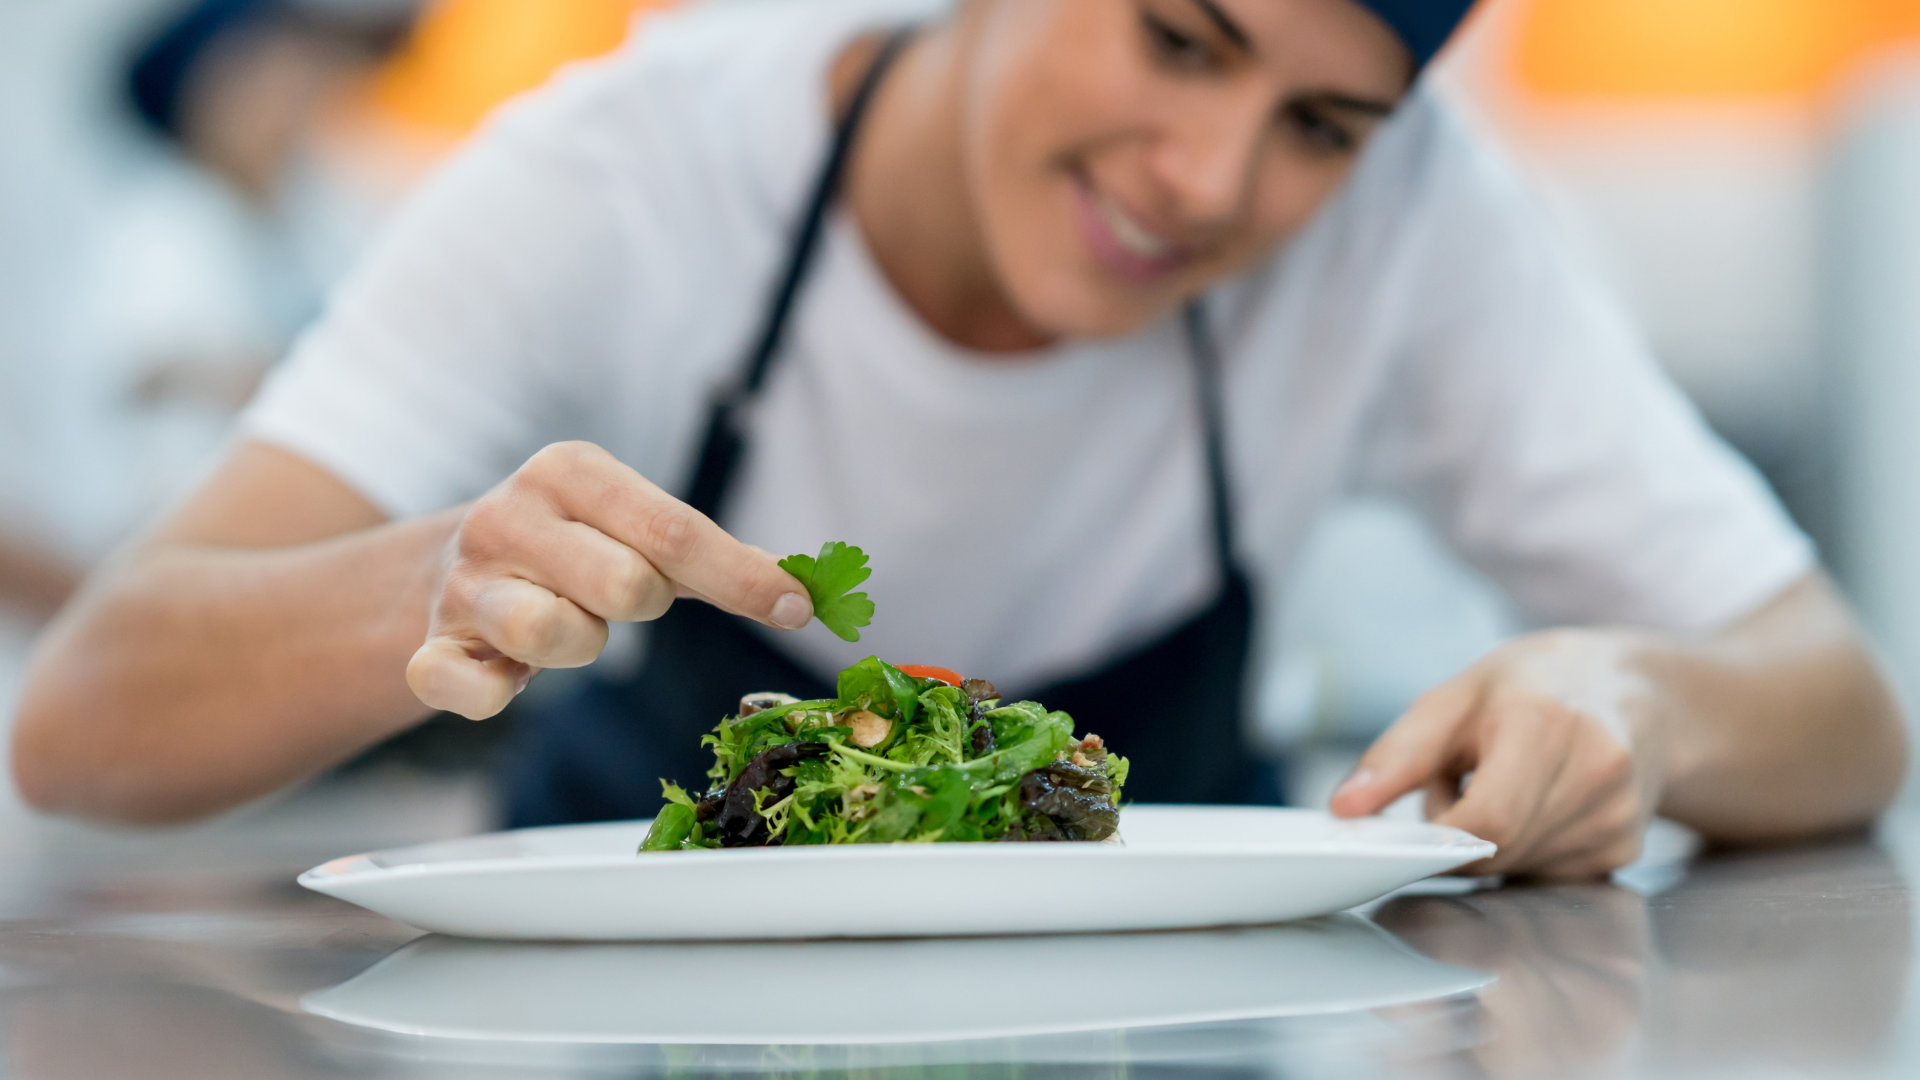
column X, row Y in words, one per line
column 1122, row 155
column 256, row 95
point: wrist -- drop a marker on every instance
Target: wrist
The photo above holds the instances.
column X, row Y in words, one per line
column 1669, row 742
column 424, row 544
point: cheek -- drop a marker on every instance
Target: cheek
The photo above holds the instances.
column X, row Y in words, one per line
column 1023, row 123
column 1007, row 147
column 1012, row 106
column 1287, row 197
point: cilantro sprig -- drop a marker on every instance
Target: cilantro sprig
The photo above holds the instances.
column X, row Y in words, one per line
column 828, row 579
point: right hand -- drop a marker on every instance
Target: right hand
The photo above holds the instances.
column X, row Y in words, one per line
column 570, row 542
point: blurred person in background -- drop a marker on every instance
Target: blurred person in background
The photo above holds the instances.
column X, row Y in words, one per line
column 1073, row 313
column 170, row 227
column 199, row 261
column 272, row 137
column 240, row 87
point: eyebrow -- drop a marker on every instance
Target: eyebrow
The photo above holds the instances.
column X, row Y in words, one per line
column 1223, row 22
column 1233, row 32
column 1349, row 103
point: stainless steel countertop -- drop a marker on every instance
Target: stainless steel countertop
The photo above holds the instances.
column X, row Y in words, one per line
column 189, row 955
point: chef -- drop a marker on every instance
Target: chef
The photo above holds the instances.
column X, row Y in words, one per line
column 1072, row 314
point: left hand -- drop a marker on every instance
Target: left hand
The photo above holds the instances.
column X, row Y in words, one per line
column 1549, row 747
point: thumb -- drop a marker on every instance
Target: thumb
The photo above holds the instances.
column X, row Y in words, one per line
column 447, row 676
column 1412, row 752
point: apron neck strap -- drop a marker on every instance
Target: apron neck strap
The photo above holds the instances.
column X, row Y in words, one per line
column 1207, row 381
column 720, row 450
column 826, row 187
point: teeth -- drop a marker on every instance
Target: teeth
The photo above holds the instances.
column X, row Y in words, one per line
column 1131, row 234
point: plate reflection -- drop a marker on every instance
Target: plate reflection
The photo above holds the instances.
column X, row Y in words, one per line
column 872, row 992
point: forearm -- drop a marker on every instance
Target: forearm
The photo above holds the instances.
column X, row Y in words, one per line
column 1778, row 728
column 190, row 678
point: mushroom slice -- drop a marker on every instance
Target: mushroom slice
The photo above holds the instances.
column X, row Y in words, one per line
column 762, row 701
column 869, row 728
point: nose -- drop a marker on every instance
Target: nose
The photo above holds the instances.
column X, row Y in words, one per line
column 1207, row 159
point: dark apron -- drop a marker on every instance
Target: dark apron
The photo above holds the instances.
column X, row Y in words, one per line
column 1173, row 706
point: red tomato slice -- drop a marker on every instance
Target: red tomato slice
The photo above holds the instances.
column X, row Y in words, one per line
column 923, row 671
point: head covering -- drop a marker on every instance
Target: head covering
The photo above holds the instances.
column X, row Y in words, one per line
column 1424, row 25
column 163, row 65
column 165, row 62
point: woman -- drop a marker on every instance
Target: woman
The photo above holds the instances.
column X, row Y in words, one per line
column 1103, row 302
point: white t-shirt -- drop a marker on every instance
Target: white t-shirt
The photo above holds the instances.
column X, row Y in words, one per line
column 595, row 265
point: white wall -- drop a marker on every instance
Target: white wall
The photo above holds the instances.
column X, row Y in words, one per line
column 1874, row 202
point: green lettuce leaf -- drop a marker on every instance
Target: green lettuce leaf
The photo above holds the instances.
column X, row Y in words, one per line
column 884, row 688
column 673, row 824
column 1050, row 734
column 828, row 579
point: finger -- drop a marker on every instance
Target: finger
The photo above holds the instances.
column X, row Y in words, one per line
column 1591, row 809
column 1439, row 796
column 445, row 675
column 1524, row 749
column 682, row 592
column 590, row 486
column 1612, row 822
column 1594, row 802
column 1414, row 751
column 525, row 622
column 1599, row 859
column 601, row 575
column 501, row 537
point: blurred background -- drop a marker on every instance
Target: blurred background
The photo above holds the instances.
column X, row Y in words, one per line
column 180, row 184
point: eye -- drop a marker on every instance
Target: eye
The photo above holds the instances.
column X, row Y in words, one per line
column 1317, row 129
column 1175, row 47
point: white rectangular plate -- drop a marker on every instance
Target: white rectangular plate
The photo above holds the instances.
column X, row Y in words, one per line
column 1181, row 867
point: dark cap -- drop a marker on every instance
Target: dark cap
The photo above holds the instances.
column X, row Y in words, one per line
column 167, row 60
column 1424, row 25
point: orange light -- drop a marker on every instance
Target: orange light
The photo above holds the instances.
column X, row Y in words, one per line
column 1700, row 48
column 468, row 56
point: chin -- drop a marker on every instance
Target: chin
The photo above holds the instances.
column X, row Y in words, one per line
column 1062, row 290
column 1067, row 302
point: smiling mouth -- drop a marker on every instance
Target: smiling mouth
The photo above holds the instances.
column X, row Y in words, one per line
column 1121, row 242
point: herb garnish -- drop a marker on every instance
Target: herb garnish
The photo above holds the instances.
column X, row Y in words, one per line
column 828, row 578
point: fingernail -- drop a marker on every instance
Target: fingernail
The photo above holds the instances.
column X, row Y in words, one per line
column 1361, row 778
column 791, row 611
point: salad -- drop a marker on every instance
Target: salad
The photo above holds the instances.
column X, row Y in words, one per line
column 899, row 754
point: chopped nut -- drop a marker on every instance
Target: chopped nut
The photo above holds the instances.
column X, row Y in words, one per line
column 762, row 701
column 869, row 728
column 1082, row 760
column 863, row 791
column 1092, row 742
column 918, row 790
